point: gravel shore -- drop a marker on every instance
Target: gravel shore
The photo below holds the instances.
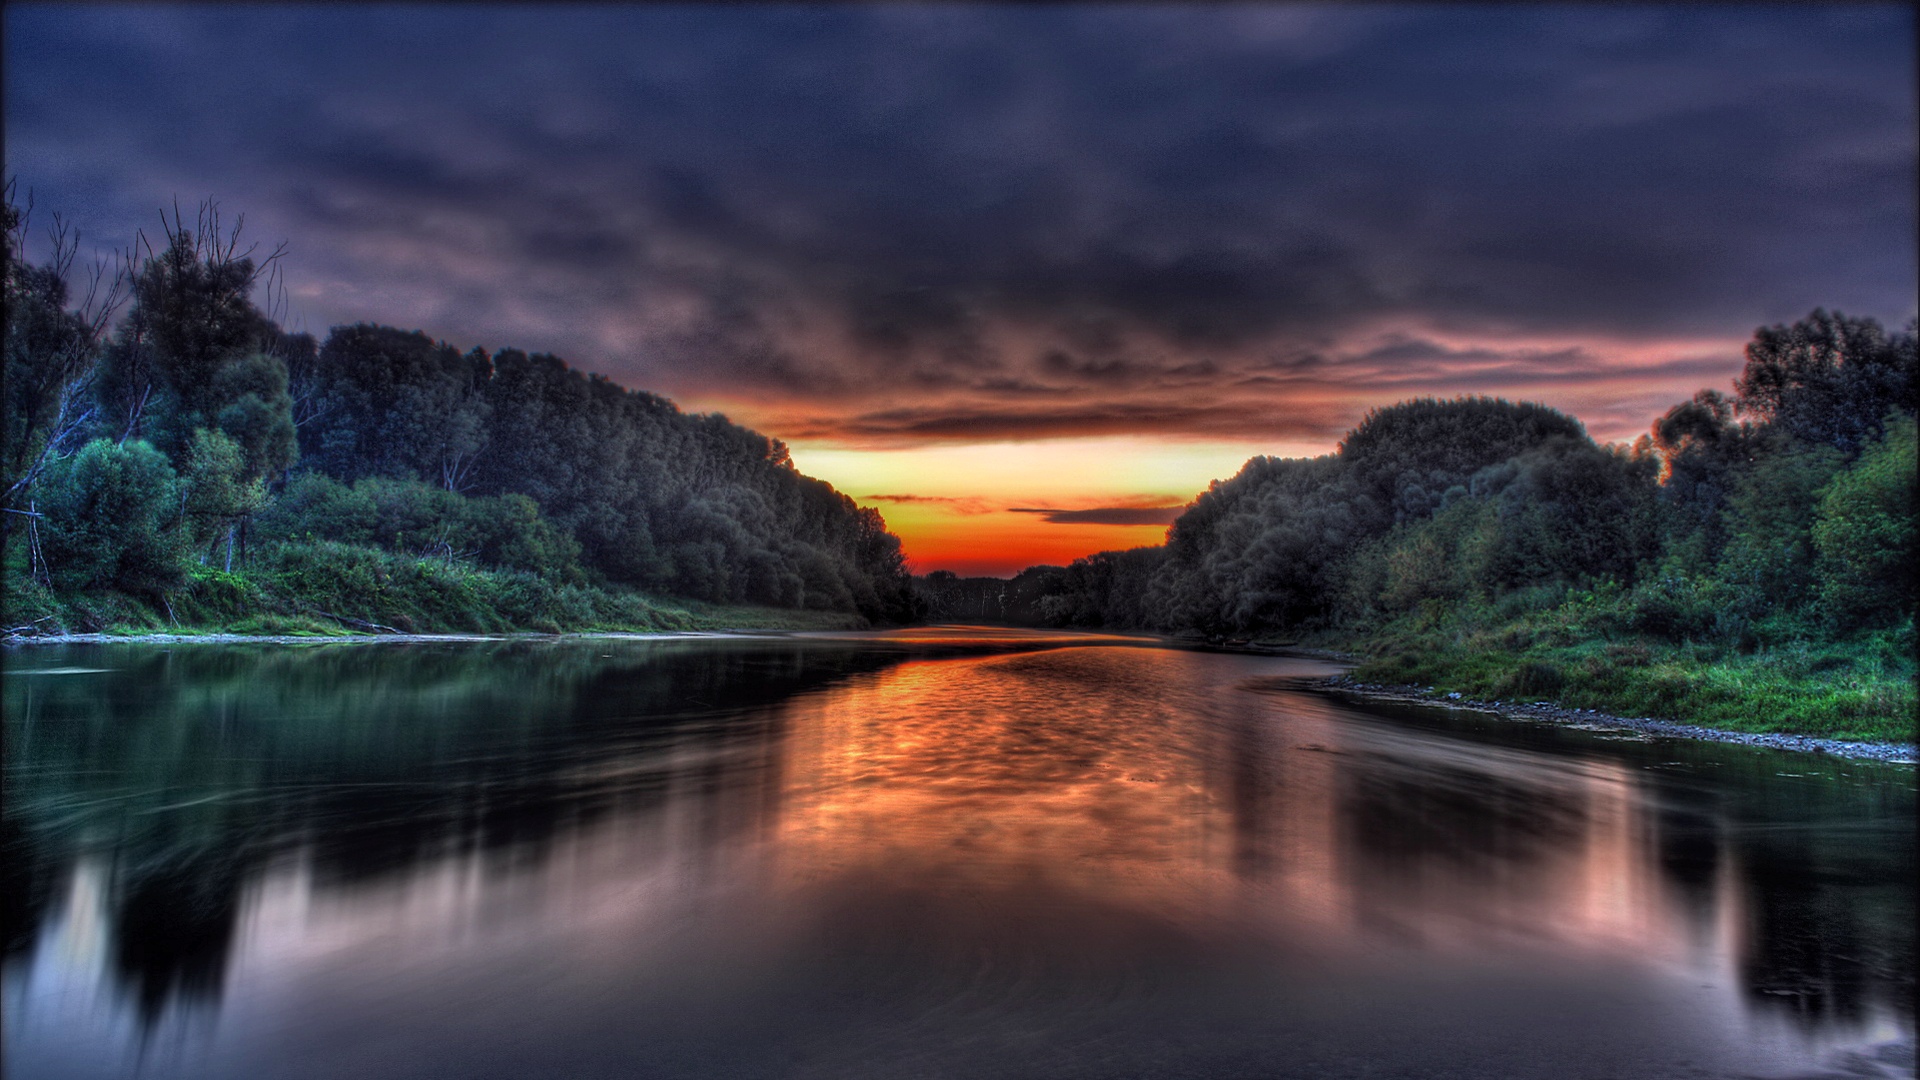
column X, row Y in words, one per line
column 1589, row 719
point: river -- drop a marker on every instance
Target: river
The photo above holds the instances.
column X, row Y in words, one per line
column 949, row 852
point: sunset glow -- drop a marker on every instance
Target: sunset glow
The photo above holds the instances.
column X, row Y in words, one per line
column 967, row 508
column 956, row 503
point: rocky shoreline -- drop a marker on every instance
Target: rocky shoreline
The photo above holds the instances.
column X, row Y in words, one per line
column 1592, row 720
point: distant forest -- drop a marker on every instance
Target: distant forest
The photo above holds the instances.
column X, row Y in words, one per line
column 168, row 442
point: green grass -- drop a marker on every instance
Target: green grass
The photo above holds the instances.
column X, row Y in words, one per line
column 325, row 589
column 705, row 616
column 1861, row 687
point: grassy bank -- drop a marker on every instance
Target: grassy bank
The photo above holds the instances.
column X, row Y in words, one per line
column 329, row 589
column 1860, row 687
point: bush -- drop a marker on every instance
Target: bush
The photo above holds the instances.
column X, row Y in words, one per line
column 1768, row 557
column 414, row 518
column 112, row 519
column 315, row 506
column 1672, row 607
column 1539, row 678
column 216, row 490
column 1863, row 534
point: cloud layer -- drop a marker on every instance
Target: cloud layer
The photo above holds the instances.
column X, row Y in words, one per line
column 900, row 225
column 1105, row 515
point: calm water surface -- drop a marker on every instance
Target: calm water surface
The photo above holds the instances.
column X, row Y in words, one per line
column 956, row 853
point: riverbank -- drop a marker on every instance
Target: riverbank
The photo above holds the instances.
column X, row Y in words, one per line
column 1347, row 687
column 718, row 623
column 1859, row 687
column 369, row 638
column 321, row 591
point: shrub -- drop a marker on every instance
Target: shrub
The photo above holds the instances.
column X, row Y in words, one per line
column 414, row 518
column 1539, row 678
column 1863, row 534
column 112, row 519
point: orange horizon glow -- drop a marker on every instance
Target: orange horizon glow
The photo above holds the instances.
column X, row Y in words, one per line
column 952, row 504
column 997, row 550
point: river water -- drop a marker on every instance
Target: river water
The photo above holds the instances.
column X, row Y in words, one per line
column 956, row 852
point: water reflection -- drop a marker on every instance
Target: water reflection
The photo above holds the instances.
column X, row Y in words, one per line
column 947, row 852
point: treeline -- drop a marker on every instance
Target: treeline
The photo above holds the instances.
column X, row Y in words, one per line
column 195, row 432
column 1444, row 533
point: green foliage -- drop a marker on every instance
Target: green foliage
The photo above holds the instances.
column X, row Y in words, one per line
column 1829, row 379
column 217, row 488
column 1447, row 558
column 1265, row 548
column 691, row 505
column 409, row 516
column 510, row 459
column 1568, row 511
column 1863, row 534
column 391, row 403
column 1674, row 606
column 256, row 412
column 1863, row 690
column 1404, row 458
column 193, row 314
column 112, row 519
column 1768, row 559
column 313, row 506
column 369, row 588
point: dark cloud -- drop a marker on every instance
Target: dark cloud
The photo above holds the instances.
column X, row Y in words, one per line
column 1029, row 220
column 1106, row 515
column 961, row 421
column 957, row 504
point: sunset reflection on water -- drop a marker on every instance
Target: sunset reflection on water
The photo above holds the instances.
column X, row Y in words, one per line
column 950, row 852
column 1142, row 782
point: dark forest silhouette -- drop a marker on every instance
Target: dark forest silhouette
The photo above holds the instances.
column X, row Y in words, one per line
column 195, row 434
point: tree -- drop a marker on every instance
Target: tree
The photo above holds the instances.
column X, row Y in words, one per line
column 113, row 518
column 1569, row 510
column 386, row 402
column 1828, row 378
column 50, row 350
column 1768, row 557
column 192, row 316
column 1703, row 450
column 1864, row 535
column 218, row 490
column 1404, row 458
column 257, row 414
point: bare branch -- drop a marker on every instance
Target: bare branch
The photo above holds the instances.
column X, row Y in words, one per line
column 135, row 409
column 66, row 243
column 68, row 423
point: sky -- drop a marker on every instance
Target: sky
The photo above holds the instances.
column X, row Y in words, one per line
column 1023, row 278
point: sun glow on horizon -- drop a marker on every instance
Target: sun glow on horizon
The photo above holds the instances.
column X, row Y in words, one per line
column 953, row 506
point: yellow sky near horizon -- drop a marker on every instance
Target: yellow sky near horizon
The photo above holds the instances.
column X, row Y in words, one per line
column 961, row 516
